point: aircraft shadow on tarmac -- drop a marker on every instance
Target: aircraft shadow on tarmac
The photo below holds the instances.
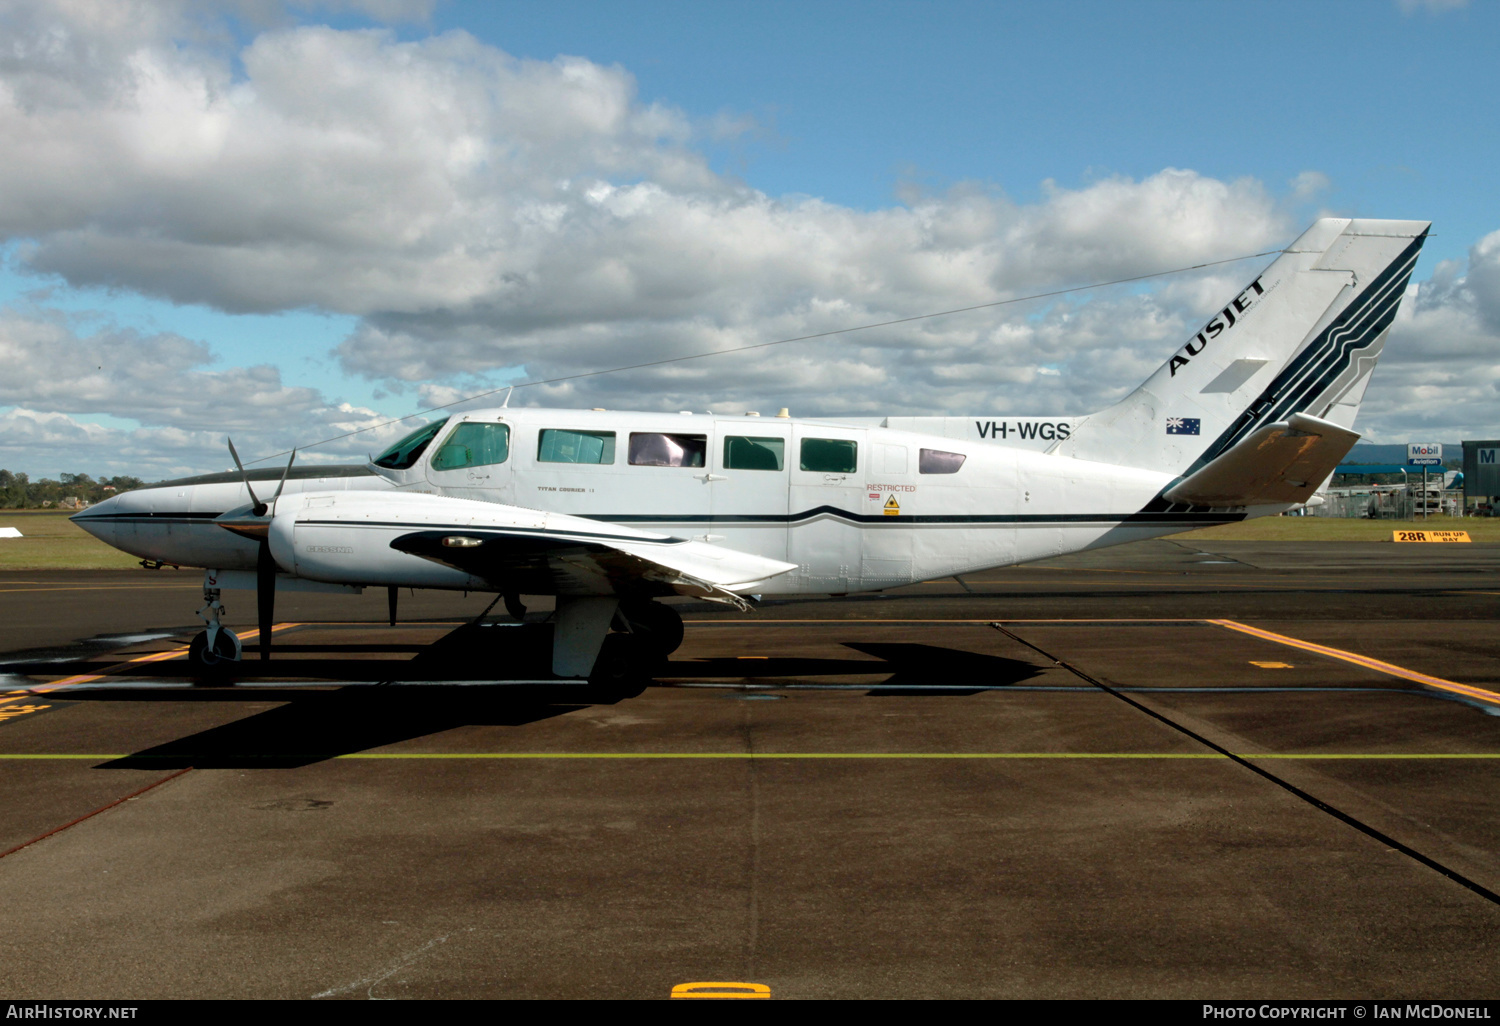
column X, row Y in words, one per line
column 314, row 725
column 319, row 725
column 471, row 654
column 914, row 669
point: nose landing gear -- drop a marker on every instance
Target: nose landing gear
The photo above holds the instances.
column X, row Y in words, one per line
column 212, row 648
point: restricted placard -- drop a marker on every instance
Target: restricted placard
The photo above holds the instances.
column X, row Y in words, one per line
column 1431, row 536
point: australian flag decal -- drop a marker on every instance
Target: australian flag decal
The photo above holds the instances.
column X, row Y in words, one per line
column 1182, row 425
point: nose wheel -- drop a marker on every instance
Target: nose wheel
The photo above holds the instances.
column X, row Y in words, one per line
column 217, row 645
column 212, row 652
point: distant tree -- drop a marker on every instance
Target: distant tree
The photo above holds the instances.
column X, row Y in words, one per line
column 17, row 491
column 14, row 493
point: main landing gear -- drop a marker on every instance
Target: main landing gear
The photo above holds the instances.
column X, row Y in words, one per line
column 217, row 647
column 655, row 628
column 616, row 645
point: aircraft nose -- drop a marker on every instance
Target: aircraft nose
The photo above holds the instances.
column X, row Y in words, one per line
column 99, row 517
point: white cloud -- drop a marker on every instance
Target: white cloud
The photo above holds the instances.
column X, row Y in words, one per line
column 481, row 213
column 56, row 373
column 1439, row 379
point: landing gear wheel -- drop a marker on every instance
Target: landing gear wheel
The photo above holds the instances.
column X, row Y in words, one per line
column 218, row 659
column 619, row 671
column 656, row 627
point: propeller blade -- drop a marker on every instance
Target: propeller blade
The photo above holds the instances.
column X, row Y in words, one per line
column 390, row 601
column 265, row 595
column 246, row 477
column 282, row 482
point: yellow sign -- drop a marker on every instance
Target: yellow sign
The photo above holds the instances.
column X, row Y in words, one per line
column 1430, row 536
column 1267, row 665
column 723, row 991
column 892, row 507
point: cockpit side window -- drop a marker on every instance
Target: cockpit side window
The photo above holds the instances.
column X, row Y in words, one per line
column 936, row 461
column 829, row 455
column 746, row 453
column 407, row 451
column 473, row 445
column 654, row 449
column 557, row 445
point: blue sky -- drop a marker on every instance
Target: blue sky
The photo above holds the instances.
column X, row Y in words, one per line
column 1394, row 107
column 390, row 221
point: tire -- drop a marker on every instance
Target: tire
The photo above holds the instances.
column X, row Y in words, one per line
column 619, row 672
column 657, row 626
column 218, row 660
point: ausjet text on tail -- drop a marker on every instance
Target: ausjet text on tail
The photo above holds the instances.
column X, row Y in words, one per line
column 611, row 511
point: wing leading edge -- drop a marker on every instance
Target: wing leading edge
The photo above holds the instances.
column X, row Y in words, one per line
column 525, row 551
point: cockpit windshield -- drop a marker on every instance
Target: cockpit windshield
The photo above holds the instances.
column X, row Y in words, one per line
column 407, row 451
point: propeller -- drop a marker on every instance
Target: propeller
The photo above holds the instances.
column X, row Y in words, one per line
column 259, row 508
column 258, row 526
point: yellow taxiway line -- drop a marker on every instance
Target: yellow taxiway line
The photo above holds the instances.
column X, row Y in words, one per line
column 150, row 657
column 435, row 756
column 1467, row 690
column 95, row 587
column 984, row 619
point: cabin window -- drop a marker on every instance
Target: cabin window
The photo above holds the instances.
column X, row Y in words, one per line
column 560, row 446
column 936, row 461
column 746, row 453
column 829, row 455
column 473, row 445
column 652, row 449
column 407, row 451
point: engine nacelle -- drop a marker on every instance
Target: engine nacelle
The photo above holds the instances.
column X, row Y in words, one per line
column 347, row 539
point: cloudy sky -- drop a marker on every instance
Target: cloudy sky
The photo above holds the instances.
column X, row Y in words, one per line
column 287, row 222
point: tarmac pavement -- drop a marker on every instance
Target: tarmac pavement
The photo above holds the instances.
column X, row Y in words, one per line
column 1162, row 770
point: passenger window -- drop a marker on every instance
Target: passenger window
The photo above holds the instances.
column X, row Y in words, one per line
column 829, row 455
column 662, row 450
column 407, row 451
column 936, row 461
column 744, row 453
column 473, row 445
column 559, row 446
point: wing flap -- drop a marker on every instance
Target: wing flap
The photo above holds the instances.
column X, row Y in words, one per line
column 1282, row 463
column 557, row 553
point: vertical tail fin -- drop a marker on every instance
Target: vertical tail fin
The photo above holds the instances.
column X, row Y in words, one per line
column 1303, row 337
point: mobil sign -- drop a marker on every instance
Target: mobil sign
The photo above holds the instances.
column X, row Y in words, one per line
column 1424, row 454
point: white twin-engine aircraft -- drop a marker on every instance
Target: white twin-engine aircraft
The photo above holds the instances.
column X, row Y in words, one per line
column 611, row 511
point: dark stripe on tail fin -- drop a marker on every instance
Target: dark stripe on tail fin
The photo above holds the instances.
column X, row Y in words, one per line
column 1305, row 381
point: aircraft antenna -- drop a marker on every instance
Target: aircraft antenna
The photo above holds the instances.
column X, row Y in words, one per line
column 777, row 342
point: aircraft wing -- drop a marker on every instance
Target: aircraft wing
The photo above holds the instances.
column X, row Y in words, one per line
column 1280, row 463
column 513, row 548
column 561, row 560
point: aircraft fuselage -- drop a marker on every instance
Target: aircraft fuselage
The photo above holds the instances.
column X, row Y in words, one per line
column 855, row 508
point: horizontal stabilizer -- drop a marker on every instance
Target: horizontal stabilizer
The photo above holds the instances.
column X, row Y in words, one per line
column 1281, row 463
